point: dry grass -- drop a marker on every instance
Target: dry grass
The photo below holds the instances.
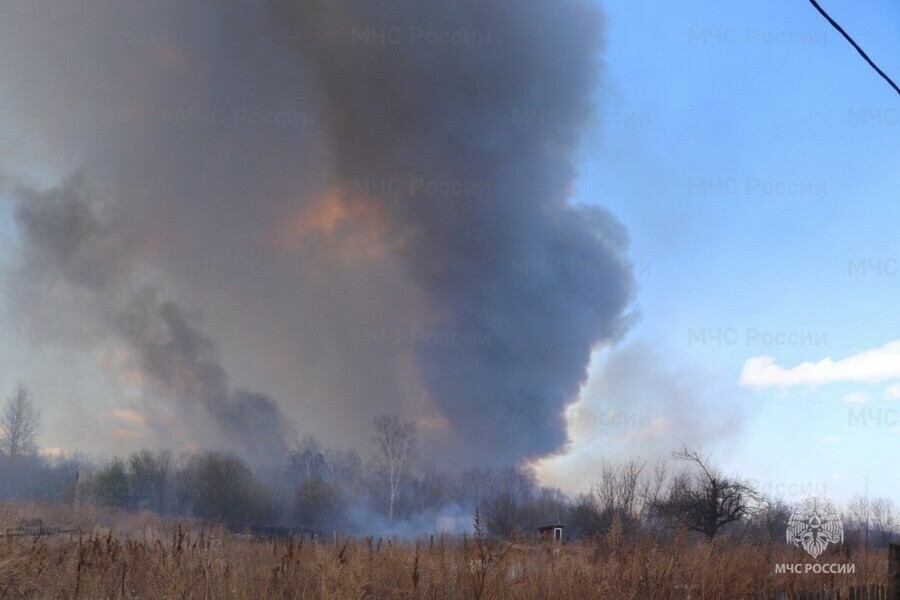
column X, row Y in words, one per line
column 138, row 555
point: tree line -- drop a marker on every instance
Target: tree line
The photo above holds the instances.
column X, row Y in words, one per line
column 324, row 489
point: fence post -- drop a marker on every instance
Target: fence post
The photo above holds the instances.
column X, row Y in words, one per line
column 894, row 572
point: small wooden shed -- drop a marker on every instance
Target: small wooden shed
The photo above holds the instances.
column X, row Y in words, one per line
column 551, row 533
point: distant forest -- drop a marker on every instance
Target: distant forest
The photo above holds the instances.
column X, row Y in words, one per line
column 319, row 490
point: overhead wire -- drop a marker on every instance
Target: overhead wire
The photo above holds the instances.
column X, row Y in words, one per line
column 855, row 45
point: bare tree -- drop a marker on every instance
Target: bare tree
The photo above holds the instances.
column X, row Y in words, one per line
column 857, row 516
column 222, row 488
column 510, row 507
column 652, row 493
column 769, row 521
column 615, row 495
column 395, row 442
column 873, row 518
column 318, row 504
column 705, row 500
column 504, row 514
column 19, row 427
column 617, row 490
column 307, row 461
column 149, row 474
column 342, row 466
column 884, row 520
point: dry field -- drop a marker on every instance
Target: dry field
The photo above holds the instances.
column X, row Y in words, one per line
column 106, row 554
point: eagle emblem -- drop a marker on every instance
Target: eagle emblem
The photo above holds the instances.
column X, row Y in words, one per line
column 814, row 524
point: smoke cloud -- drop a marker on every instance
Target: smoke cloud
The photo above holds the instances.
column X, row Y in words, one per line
column 71, row 253
column 369, row 201
column 638, row 405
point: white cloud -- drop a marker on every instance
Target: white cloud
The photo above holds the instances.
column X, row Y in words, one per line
column 856, row 398
column 869, row 366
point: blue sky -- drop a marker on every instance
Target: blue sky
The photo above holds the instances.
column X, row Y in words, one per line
column 753, row 155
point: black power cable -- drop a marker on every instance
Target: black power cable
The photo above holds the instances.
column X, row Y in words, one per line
column 855, row 45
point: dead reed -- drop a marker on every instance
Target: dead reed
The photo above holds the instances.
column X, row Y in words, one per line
column 137, row 555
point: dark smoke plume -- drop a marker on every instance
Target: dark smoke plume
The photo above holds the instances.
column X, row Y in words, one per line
column 371, row 196
column 67, row 247
column 512, row 264
column 181, row 360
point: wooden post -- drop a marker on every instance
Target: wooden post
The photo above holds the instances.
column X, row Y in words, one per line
column 894, row 572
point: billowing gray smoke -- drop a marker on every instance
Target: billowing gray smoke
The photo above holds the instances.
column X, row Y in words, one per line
column 67, row 246
column 368, row 199
column 182, row 360
column 483, row 102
